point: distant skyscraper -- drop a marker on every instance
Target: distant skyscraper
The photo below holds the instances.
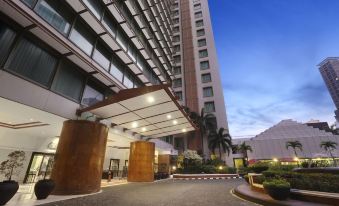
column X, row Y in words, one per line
column 329, row 69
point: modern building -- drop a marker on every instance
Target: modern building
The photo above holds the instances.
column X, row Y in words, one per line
column 329, row 69
column 197, row 80
column 270, row 145
column 108, row 62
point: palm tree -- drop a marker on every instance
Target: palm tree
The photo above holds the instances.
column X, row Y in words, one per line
column 294, row 145
column 219, row 139
column 329, row 146
column 203, row 121
column 243, row 148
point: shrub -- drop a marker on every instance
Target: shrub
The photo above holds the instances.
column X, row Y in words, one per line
column 258, row 179
column 278, row 189
column 278, row 167
column 258, row 167
column 247, row 179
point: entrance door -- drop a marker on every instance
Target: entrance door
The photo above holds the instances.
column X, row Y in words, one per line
column 114, row 167
column 40, row 167
column 239, row 162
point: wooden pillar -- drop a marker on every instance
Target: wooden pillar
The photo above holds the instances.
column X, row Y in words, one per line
column 141, row 162
column 164, row 163
column 79, row 158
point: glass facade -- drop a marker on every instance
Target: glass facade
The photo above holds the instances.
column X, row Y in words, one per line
column 6, row 40
column 82, row 38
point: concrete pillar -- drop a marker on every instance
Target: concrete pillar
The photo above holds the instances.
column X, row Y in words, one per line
column 79, row 158
column 141, row 162
column 164, row 163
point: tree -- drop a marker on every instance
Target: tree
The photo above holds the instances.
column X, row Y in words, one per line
column 329, row 146
column 243, row 148
column 14, row 161
column 219, row 139
column 294, row 145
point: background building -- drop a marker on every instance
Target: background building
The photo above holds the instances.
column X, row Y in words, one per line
column 197, row 80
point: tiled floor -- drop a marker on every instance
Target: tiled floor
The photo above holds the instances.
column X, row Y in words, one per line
column 25, row 195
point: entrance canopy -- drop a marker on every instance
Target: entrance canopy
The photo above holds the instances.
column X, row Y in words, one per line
column 151, row 111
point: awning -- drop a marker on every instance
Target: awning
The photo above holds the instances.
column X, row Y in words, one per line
column 151, row 111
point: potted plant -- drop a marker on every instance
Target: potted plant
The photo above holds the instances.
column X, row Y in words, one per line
column 278, row 189
column 43, row 188
column 10, row 167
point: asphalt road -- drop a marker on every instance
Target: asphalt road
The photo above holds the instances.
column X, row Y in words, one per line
column 164, row 193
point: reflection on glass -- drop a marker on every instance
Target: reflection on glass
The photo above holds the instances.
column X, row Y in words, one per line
column 91, row 96
column 128, row 82
column 95, row 6
column 81, row 37
column 116, row 72
column 101, row 56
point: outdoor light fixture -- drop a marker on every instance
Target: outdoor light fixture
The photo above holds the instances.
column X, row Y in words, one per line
column 144, row 129
column 296, row 159
column 184, row 130
column 175, row 122
column 135, row 124
column 150, row 99
column 275, row 160
column 220, row 167
column 174, row 168
column 169, row 116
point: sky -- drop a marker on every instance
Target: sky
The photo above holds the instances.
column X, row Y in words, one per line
column 268, row 52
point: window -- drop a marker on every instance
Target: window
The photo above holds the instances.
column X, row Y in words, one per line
column 200, row 32
column 177, row 83
column 69, row 81
column 208, row 92
column 176, row 29
column 109, row 24
column 176, row 21
column 176, row 48
column 204, row 65
column 177, row 59
column 176, row 38
column 203, row 53
column 175, row 5
column 102, row 55
column 197, row 6
column 198, row 14
column 199, row 23
column 209, row 107
column 92, row 94
column 132, row 52
column 56, row 14
column 95, row 7
column 201, row 42
column 206, row 78
column 175, row 13
column 179, row 95
column 212, row 123
column 6, row 39
column 128, row 81
column 81, row 36
column 29, row 3
column 116, row 70
column 121, row 39
column 177, row 70
column 32, row 62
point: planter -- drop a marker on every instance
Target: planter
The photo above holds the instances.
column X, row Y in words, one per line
column 43, row 188
column 7, row 191
column 277, row 189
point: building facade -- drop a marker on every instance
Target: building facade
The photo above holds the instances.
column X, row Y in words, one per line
column 329, row 69
column 196, row 72
column 58, row 57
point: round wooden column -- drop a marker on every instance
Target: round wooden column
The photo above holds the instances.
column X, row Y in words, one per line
column 141, row 162
column 79, row 158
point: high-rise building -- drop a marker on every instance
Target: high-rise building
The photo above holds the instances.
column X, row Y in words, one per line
column 197, row 79
column 329, row 69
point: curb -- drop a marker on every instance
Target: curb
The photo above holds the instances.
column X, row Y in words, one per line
column 207, row 178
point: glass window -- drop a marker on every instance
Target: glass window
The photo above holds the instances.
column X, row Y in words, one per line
column 82, row 36
column 209, row 107
column 128, row 81
column 6, row 39
column 69, row 81
column 204, row 65
column 199, row 23
column 109, row 23
column 92, row 94
column 56, row 13
column 102, row 55
column 206, row 78
column 116, row 70
column 32, row 62
column 201, row 42
column 95, row 6
column 198, row 14
column 177, row 59
column 176, row 29
column 208, row 92
column 177, row 70
column 200, row 32
column 121, row 39
column 132, row 52
column 29, row 3
column 177, row 83
column 197, row 6
column 176, row 38
column 176, row 48
column 176, row 21
column 203, row 53
column 179, row 95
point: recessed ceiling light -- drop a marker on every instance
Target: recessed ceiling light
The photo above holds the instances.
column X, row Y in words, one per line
column 184, row 130
column 144, row 129
column 175, row 122
column 150, row 99
column 169, row 116
column 31, row 119
column 135, row 124
column 9, row 122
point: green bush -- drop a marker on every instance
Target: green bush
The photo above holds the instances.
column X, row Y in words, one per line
column 247, row 178
column 278, row 189
column 258, row 179
column 258, row 167
column 278, row 167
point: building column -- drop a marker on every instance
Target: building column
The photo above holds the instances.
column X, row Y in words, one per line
column 164, row 163
column 141, row 162
column 79, row 158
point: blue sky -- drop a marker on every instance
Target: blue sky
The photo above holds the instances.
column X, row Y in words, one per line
column 268, row 53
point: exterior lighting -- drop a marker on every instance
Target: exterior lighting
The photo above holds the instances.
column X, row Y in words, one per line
column 184, row 130
column 175, row 122
column 143, row 129
column 296, row 159
column 169, row 116
column 174, row 168
column 220, row 167
column 150, row 99
column 135, row 124
column 275, row 160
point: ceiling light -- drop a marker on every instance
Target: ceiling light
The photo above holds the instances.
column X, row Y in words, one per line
column 175, row 122
column 135, row 124
column 184, row 130
column 31, row 119
column 143, row 129
column 150, row 99
column 169, row 116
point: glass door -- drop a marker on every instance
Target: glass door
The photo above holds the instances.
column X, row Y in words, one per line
column 40, row 167
column 114, row 167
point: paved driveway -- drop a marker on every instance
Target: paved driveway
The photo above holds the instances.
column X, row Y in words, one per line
column 164, row 193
